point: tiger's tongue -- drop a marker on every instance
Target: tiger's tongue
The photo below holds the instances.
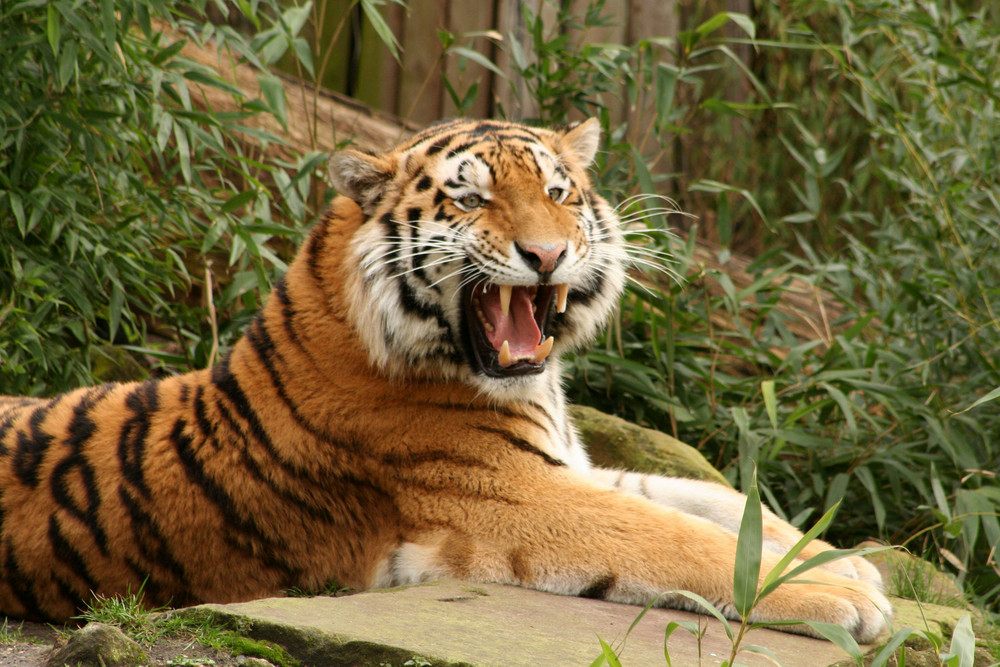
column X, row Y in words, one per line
column 518, row 328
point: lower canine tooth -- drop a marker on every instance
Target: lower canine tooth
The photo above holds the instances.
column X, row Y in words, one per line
column 543, row 350
column 504, row 356
column 562, row 292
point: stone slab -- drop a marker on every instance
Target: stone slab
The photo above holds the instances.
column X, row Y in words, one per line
column 458, row 623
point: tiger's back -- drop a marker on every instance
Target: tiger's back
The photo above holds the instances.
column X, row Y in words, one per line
column 393, row 414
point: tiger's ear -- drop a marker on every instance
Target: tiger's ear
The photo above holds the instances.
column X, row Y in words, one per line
column 582, row 141
column 362, row 177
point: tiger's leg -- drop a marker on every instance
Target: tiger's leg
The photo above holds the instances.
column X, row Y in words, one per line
column 724, row 506
column 572, row 538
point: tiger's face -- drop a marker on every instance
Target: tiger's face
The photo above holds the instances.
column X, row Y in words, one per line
column 485, row 253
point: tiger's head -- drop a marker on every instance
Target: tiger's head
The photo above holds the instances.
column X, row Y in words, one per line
column 485, row 253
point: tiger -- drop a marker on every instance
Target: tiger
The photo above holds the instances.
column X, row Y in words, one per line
column 394, row 414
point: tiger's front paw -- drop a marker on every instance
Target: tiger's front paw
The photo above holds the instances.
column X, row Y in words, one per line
column 855, row 605
column 856, row 568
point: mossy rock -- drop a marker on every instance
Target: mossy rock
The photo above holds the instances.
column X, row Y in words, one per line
column 615, row 443
column 98, row 645
column 908, row 576
column 113, row 364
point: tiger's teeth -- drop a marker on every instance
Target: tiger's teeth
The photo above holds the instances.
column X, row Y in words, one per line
column 543, row 349
column 562, row 294
column 505, row 291
column 504, row 356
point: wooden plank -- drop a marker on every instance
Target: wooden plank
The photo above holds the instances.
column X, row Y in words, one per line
column 650, row 19
column 420, row 85
column 738, row 88
column 379, row 72
column 463, row 18
column 511, row 95
column 617, row 11
column 329, row 34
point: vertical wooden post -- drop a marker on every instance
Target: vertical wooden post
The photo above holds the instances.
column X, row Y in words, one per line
column 420, row 87
column 512, row 94
column 465, row 17
column 650, row 19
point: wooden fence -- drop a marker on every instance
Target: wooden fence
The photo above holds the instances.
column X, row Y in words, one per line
column 351, row 59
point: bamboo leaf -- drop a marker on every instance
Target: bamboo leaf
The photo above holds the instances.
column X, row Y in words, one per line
column 749, row 544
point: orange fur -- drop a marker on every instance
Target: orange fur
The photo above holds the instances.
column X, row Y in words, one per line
column 348, row 436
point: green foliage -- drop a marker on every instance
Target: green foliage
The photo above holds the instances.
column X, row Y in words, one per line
column 860, row 170
column 146, row 626
column 118, row 192
column 10, row 634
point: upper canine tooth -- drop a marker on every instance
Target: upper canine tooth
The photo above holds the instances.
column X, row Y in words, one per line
column 543, row 350
column 504, row 356
column 505, row 291
column 562, row 294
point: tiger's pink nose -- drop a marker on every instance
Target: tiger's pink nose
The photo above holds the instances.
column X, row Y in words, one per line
column 543, row 259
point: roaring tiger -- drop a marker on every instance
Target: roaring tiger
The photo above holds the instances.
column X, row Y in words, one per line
column 393, row 415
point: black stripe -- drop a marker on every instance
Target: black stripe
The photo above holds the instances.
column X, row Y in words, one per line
column 424, row 184
column 210, row 432
column 143, row 401
column 65, row 552
column 31, row 446
column 5, row 426
column 287, row 310
column 599, row 588
column 314, row 247
column 154, row 549
column 230, row 387
column 521, row 444
column 20, row 585
column 411, row 459
column 439, row 145
column 62, row 494
column 81, row 428
column 260, row 546
column 460, row 148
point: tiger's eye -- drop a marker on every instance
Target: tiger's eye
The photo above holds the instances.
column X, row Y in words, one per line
column 557, row 194
column 470, row 201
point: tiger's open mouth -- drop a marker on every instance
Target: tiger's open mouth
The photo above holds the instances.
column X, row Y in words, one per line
column 506, row 326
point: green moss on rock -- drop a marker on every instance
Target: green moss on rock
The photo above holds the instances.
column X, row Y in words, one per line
column 616, row 443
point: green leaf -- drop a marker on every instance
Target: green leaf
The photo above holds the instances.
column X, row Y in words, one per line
column 304, row 53
column 214, row 81
column 274, row 94
column 749, row 545
column 115, row 310
column 885, row 652
column 17, row 206
column 382, row 29
column 770, row 402
column 669, row 630
column 53, row 29
column 991, row 396
column 962, row 651
column 478, row 58
column 609, row 654
column 168, row 52
column 238, row 201
column 711, row 25
column 775, row 576
column 183, row 151
column 744, row 22
column 109, row 24
column 839, row 636
column 67, row 64
column 709, row 608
